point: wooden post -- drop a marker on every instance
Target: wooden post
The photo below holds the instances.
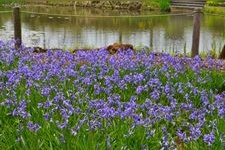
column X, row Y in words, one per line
column 222, row 53
column 196, row 33
column 17, row 26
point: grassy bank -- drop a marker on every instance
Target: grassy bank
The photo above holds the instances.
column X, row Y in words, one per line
column 215, row 7
column 163, row 5
column 215, row 10
column 94, row 100
column 11, row 2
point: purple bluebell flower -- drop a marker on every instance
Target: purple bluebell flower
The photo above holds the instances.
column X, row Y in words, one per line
column 164, row 68
column 127, row 78
column 181, row 134
column 76, row 129
column 63, row 125
column 196, row 68
column 7, row 103
column 195, row 133
column 40, row 105
column 180, row 88
column 94, row 124
column 46, row 116
column 221, row 112
column 169, row 116
column 69, row 107
column 155, row 94
column 33, row 126
column 193, row 115
column 209, row 139
column 204, row 98
column 45, row 91
column 139, row 89
column 62, row 138
column 130, row 132
column 138, row 78
column 164, row 142
column 47, row 104
column 64, row 114
column 108, row 139
column 150, row 133
column 144, row 147
column 138, row 119
column 168, row 89
column 107, row 112
column 122, row 84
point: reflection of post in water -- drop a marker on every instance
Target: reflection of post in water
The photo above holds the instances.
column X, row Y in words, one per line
column 120, row 36
column 44, row 38
column 64, row 35
column 75, row 7
column 151, row 39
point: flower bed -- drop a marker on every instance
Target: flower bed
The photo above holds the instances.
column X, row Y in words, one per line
column 95, row 100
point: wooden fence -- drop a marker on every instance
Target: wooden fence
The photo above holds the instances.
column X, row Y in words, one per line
column 195, row 36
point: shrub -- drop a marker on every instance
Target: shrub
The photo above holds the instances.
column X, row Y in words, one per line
column 164, row 5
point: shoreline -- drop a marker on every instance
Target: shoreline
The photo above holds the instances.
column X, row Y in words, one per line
column 125, row 6
column 105, row 5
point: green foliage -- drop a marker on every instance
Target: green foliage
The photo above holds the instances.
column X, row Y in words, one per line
column 5, row 1
column 164, row 5
column 215, row 10
column 153, row 4
column 214, row 2
column 10, row 2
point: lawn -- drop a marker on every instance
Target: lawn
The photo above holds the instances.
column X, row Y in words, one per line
column 96, row 100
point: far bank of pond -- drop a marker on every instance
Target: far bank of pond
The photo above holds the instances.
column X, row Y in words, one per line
column 105, row 5
column 97, row 28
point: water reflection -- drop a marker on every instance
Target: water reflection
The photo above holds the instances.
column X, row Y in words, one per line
column 167, row 33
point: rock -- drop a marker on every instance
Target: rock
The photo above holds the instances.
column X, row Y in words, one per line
column 39, row 50
column 86, row 3
column 119, row 46
column 100, row 5
column 42, row 50
column 82, row 49
column 135, row 6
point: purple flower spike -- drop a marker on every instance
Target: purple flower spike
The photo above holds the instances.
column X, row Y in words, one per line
column 33, row 127
column 209, row 139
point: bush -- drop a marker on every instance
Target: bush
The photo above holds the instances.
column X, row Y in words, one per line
column 164, row 5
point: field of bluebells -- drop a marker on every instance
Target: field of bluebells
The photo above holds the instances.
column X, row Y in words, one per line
column 95, row 100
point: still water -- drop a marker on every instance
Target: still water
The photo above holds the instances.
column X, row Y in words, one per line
column 88, row 28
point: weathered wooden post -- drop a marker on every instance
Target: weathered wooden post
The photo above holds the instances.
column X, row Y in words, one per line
column 196, row 33
column 17, row 26
column 222, row 53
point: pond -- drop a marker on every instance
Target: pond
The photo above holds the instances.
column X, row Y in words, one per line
column 70, row 28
